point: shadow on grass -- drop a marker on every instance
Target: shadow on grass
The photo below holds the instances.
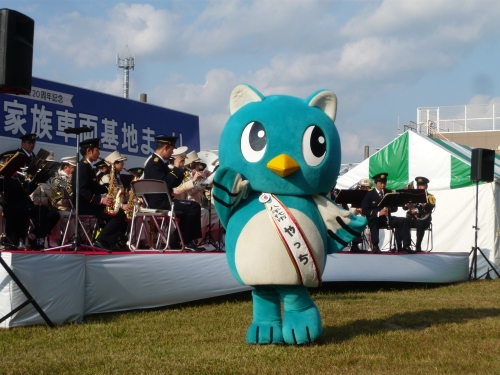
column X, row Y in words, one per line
column 410, row 321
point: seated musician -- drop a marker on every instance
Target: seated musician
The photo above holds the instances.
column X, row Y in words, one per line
column 90, row 200
column 364, row 184
column 421, row 214
column 49, row 193
column 63, row 181
column 380, row 217
column 193, row 188
column 18, row 209
column 157, row 169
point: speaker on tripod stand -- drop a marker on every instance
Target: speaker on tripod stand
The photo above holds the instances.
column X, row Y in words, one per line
column 482, row 169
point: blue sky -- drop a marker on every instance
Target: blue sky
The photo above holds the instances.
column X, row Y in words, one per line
column 383, row 59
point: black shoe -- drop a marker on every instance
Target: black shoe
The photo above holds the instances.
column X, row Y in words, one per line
column 175, row 245
column 102, row 245
column 192, row 246
column 418, row 249
column 409, row 250
column 376, row 249
column 355, row 249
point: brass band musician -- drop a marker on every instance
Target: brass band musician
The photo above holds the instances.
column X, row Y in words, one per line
column 193, row 187
column 156, row 168
column 380, row 217
column 19, row 208
column 363, row 184
column 421, row 214
column 91, row 202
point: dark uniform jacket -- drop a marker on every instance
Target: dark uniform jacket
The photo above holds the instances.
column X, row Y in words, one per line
column 15, row 194
column 90, row 190
column 426, row 208
column 157, row 169
column 370, row 203
column 31, row 157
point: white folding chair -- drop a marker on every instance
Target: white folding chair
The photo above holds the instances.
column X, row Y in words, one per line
column 87, row 223
column 163, row 220
column 430, row 238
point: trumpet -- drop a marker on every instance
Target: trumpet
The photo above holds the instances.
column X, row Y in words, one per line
column 189, row 171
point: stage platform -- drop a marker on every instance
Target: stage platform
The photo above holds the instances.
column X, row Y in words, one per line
column 68, row 286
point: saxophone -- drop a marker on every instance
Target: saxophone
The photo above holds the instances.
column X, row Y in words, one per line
column 131, row 197
column 115, row 193
column 131, row 202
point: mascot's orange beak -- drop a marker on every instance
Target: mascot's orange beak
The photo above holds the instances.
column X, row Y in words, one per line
column 283, row 165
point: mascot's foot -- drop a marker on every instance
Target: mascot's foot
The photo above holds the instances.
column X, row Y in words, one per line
column 301, row 321
column 264, row 333
column 302, row 327
column 266, row 325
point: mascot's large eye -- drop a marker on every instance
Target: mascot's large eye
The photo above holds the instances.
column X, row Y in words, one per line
column 314, row 145
column 253, row 141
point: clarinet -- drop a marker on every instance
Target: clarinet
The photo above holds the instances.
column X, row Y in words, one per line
column 388, row 216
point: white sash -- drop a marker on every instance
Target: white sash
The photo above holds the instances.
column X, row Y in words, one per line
column 293, row 239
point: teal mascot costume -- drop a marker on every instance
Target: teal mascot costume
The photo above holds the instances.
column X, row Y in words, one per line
column 279, row 156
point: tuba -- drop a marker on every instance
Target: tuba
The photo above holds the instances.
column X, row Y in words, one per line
column 57, row 184
column 114, row 192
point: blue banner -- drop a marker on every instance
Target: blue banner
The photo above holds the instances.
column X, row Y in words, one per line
column 125, row 125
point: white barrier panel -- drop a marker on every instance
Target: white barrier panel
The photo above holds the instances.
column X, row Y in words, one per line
column 56, row 282
column 138, row 281
column 417, row 268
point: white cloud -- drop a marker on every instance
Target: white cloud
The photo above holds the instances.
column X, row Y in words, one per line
column 91, row 42
column 233, row 27
column 114, row 87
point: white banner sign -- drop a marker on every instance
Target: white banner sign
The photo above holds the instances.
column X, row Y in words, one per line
column 50, row 96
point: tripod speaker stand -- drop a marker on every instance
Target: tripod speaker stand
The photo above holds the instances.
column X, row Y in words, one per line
column 482, row 169
column 475, row 248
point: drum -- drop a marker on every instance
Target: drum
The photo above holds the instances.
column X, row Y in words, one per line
column 210, row 158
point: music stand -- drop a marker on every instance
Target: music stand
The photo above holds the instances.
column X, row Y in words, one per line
column 47, row 171
column 76, row 244
column 35, row 164
column 352, row 197
column 7, row 171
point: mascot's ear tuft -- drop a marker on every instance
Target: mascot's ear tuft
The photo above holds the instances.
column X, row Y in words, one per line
column 242, row 95
column 326, row 101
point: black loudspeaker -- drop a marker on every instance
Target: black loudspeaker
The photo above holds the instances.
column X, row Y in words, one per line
column 482, row 165
column 16, row 52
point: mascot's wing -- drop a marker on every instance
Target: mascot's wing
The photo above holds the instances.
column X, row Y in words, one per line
column 229, row 188
column 341, row 225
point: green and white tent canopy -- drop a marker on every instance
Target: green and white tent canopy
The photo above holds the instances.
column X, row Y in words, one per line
column 446, row 164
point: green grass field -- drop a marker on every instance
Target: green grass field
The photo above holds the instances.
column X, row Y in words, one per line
column 452, row 329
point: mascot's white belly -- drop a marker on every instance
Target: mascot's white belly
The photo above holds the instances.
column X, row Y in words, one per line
column 261, row 257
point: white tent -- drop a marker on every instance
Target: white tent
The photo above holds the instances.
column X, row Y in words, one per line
column 447, row 166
